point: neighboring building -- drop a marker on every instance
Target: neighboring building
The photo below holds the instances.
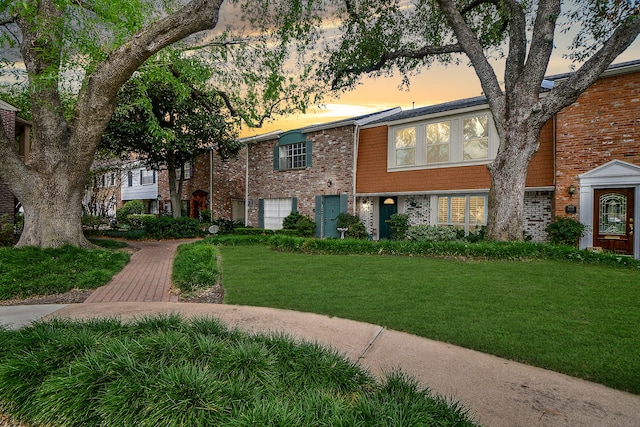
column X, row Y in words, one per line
column 19, row 130
column 209, row 183
column 431, row 163
column 308, row 170
column 598, row 160
column 103, row 190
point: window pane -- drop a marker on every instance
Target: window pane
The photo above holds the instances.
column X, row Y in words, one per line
column 406, row 156
column 438, row 133
column 475, row 127
column 476, row 149
column 437, row 153
column 477, row 210
column 475, row 138
column 443, row 210
column 406, row 138
column 293, row 156
column 457, row 210
column 613, row 214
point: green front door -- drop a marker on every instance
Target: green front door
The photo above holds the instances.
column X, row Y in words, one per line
column 386, row 210
column 331, row 207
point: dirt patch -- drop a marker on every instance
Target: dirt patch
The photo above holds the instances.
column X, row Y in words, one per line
column 213, row 295
column 70, row 297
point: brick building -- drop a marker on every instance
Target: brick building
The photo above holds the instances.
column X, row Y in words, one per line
column 431, row 163
column 308, row 170
column 19, row 130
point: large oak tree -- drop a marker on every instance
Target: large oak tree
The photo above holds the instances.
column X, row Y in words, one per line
column 407, row 36
column 84, row 51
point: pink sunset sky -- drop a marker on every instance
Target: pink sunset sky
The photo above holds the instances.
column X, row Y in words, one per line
column 435, row 85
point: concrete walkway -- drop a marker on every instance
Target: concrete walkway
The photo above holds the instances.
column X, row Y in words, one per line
column 497, row 392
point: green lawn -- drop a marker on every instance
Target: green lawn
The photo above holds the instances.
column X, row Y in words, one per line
column 582, row 320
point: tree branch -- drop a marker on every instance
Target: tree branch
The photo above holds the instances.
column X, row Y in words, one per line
column 541, row 44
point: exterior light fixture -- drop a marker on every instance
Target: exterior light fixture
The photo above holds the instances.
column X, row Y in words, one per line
column 571, row 190
column 389, row 201
column 329, row 183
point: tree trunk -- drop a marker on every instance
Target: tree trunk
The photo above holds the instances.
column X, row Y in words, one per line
column 53, row 214
column 505, row 216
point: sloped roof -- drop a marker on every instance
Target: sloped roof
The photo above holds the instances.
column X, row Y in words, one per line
column 6, row 106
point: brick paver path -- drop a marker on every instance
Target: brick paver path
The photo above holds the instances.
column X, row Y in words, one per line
column 146, row 278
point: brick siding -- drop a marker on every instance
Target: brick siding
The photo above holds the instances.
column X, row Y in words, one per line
column 602, row 125
column 332, row 160
column 7, row 200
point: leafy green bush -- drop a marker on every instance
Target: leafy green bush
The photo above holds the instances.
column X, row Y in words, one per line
column 565, row 231
column 136, row 221
column 205, row 216
column 6, row 231
column 355, row 227
column 167, row 227
column 478, row 235
column 225, row 225
column 399, row 226
column 432, row 233
column 302, row 224
column 132, row 207
column 92, row 222
column 248, row 231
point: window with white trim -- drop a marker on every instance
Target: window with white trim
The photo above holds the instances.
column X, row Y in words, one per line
column 405, row 142
column 275, row 210
column 458, row 140
column 147, row 177
column 463, row 211
column 293, row 156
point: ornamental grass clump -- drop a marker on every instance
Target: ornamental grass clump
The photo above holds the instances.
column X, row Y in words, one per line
column 170, row 371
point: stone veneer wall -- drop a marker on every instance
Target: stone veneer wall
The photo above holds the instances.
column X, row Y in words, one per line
column 538, row 212
column 332, row 160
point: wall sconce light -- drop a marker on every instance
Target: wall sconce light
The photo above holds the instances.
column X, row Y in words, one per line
column 571, row 190
column 389, row 201
column 329, row 183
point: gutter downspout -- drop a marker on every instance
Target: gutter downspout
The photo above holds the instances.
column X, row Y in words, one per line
column 246, row 187
column 211, row 182
column 356, row 140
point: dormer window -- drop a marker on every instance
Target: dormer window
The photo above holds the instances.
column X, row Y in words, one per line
column 293, row 151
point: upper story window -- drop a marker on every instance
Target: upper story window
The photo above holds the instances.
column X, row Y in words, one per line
column 456, row 140
column 147, row 177
column 293, row 151
column 406, row 146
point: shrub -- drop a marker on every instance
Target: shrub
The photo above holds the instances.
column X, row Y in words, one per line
column 167, row 227
column 205, row 216
column 92, row 222
column 132, row 207
column 290, row 221
column 399, row 226
column 356, row 229
column 136, row 221
column 225, row 225
column 302, row 225
column 432, row 233
column 565, row 231
column 478, row 235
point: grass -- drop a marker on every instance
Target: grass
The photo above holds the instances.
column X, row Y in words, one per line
column 195, row 267
column 574, row 318
column 33, row 271
column 173, row 372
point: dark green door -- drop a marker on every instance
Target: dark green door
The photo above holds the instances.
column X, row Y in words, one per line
column 331, row 207
column 386, row 210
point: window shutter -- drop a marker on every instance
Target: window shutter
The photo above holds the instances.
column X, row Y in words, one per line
column 276, row 158
column 260, row 213
column 344, row 203
column 319, row 225
column 140, row 176
column 294, row 204
column 154, row 177
column 130, row 178
column 308, row 148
